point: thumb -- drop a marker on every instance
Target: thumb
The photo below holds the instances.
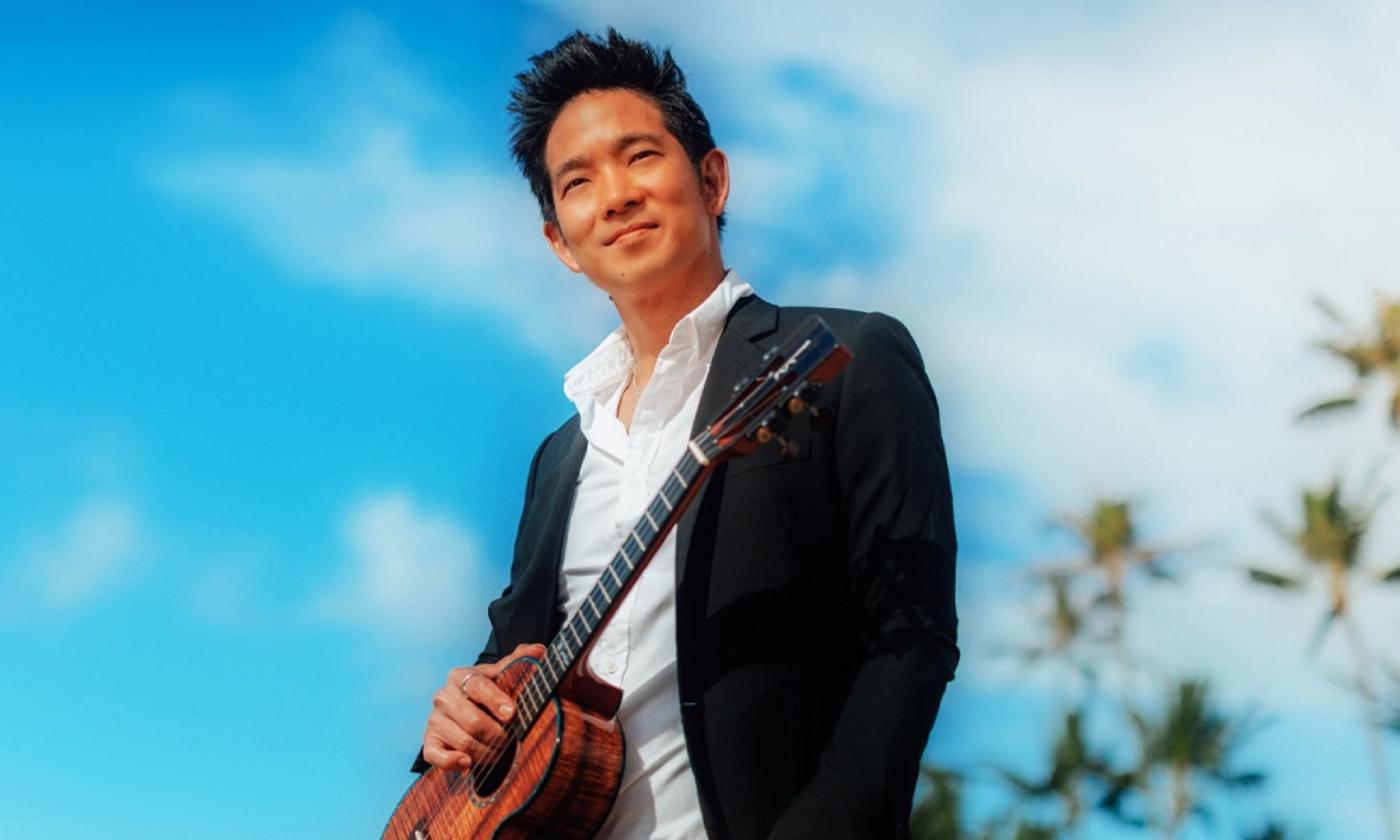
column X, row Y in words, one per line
column 534, row 650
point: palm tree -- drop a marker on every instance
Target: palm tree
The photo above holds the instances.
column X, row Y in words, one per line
column 1073, row 767
column 1375, row 354
column 1112, row 552
column 1063, row 630
column 1329, row 545
column 938, row 813
column 1183, row 754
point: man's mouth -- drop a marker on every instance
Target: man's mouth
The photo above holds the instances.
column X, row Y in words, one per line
column 630, row 229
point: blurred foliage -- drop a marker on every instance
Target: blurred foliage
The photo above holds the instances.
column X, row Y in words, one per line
column 1163, row 762
column 1375, row 353
column 1327, row 544
column 1074, row 768
column 1184, row 751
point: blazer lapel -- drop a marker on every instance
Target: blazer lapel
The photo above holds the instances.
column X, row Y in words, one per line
column 737, row 356
column 556, row 486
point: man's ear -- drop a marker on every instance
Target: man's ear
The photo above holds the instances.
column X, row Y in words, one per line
column 714, row 181
column 560, row 247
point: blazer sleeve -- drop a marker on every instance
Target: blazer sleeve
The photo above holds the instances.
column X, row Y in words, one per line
column 893, row 476
column 492, row 651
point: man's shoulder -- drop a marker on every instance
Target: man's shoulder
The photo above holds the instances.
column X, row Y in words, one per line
column 858, row 329
column 557, row 445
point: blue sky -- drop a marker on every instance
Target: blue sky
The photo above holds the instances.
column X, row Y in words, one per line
column 278, row 336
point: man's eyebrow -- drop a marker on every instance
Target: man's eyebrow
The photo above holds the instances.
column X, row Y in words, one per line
column 578, row 162
column 635, row 137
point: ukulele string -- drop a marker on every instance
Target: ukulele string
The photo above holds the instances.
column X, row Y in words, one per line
column 513, row 729
column 470, row 772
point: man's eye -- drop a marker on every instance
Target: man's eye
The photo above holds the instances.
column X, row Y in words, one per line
column 644, row 153
column 574, row 183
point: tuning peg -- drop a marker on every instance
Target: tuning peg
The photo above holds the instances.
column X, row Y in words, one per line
column 764, row 434
column 796, row 405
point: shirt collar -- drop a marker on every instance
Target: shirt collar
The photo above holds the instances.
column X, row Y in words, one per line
column 611, row 362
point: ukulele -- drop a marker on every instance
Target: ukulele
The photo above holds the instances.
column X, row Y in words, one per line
column 557, row 771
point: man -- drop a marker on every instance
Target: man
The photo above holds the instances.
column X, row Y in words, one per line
column 783, row 656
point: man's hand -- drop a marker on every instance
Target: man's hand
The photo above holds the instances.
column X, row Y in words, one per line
column 468, row 714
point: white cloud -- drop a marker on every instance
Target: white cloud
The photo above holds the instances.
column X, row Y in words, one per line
column 90, row 554
column 413, row 575
column 369, row 210
column 1104, row 231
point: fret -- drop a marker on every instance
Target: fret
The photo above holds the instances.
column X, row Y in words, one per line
column 655, row 528
column 533, row 698
column 609, row 569
column 666, row 501
column 573, row 633
column 640, row 544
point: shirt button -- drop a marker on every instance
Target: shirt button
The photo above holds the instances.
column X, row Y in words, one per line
column 610, row 667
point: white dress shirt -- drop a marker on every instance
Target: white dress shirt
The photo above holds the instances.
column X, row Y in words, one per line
column 622, row 471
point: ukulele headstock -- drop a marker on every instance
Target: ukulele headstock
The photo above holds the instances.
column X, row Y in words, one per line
column 792, row 376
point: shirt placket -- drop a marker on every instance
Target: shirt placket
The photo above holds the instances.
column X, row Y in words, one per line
column 644, row 441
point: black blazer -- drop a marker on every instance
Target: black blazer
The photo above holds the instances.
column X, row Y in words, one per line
column 815, row 625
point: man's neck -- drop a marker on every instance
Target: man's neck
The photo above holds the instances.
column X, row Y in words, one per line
column 649, row 320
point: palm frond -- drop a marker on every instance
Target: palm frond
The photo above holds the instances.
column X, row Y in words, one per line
column 1321, row 632
column 1248, row 779
column 1333, row 313
column 1327, row 407
column 1275, row 830
column 1273, row 579
column 1362, row 357
column 1391, row 576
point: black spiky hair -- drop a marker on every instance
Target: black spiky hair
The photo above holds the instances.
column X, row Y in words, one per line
column 581, row 63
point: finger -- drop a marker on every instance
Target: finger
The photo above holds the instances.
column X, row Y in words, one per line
column 452, row 704
column 476, row 721
column 486, row 694
column 455, row 738
column 535, row 650
column 494, row 669
column 447, row 759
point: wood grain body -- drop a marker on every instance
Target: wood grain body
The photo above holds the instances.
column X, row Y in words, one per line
column 561, row 783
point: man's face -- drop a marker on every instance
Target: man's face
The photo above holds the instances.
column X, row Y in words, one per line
column 632, row 213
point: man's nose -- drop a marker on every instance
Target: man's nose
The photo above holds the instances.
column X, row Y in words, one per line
column 620, row 194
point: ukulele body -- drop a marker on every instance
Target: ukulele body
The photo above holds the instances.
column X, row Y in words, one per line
column 560, row 780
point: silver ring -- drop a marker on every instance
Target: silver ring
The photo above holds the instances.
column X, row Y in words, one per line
column 463, row 684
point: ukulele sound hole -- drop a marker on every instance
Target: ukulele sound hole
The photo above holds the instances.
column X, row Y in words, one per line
column 487, row 780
